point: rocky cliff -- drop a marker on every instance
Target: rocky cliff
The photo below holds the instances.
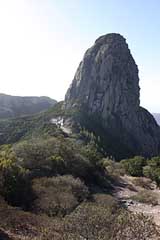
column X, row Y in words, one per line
column 106, row 85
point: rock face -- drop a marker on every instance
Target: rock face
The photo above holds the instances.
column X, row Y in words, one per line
column 13, row 106
column 106, row 84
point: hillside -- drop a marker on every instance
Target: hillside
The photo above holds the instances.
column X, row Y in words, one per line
column 14, row 106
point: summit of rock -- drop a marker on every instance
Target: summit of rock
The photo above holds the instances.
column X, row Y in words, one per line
column 106, row 85
column 111, row 37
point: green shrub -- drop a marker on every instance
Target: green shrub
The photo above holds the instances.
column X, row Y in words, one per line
column 148, row 171
column 90, row 151
column 112, row 167
column 139, row 167
column 152, row 170
column 156, row 176
column 54, row 156
column 35, row 154
column 154, row 162
column 15, row 186
column 134, row 166
column 58, row 164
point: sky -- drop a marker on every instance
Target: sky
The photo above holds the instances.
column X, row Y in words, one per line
column 43, row 41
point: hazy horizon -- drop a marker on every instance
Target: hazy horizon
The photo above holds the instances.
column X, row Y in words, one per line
column 43, row 41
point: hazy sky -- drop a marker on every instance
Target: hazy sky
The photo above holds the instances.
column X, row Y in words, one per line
column 43, row 41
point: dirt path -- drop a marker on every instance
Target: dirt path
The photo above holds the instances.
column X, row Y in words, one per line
column 127, row 190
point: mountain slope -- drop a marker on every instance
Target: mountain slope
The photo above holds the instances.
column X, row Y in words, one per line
column 14, row 106
column 38, row 125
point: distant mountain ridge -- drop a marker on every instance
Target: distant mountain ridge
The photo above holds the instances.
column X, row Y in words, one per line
column 15, row 106
column 157, row 117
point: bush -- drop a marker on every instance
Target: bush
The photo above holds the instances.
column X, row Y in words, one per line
column 35, row 155
column 54, row 156
column 148, row 171
column 17, row 189
column 154, row 162
column 134, row 226
column 26, row 225
column 139, row 167
column 134, row 166
column 112, row 167
column 58, row 196
column 92, row 222
column 106, row 201
column 156, row 176
column 152, row 170
column 15, row 186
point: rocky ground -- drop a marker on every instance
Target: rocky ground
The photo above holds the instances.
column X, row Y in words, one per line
column 127, row 189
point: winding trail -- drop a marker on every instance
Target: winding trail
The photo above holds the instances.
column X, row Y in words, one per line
column 127, row 189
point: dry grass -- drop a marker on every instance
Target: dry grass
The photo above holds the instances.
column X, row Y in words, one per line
column 147, row 197
column 142, row 182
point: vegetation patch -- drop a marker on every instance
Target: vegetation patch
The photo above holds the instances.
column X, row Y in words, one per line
column 58, row 196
